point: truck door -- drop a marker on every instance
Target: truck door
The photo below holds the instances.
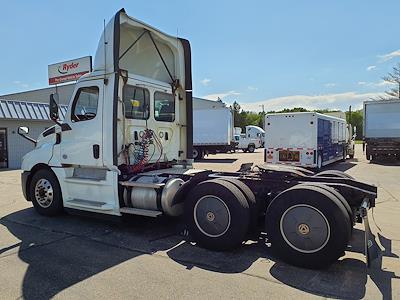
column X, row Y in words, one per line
column 82, row 144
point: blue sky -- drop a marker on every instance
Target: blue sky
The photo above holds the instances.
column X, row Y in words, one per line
column 316, row 54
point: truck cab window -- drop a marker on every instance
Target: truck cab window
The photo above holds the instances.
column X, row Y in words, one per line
column 85, row 104
column 136, row 102
column 164, row 107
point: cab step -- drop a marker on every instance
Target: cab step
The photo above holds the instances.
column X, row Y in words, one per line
column 140, row 212
column 89, row 204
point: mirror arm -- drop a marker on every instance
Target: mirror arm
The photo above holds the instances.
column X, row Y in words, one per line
column 28, row 138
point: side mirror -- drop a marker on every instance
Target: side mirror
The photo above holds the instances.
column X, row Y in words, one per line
column 23, row 130
column 53, row 108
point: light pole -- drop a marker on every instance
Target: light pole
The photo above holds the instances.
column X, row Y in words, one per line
column 263, row 115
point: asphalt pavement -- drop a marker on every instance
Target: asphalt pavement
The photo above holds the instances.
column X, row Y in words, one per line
column 83, row 257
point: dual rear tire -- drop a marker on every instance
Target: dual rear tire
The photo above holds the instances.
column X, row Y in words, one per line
column 219, row 213
column 308, row 226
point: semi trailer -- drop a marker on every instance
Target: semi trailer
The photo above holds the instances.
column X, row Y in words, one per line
column 382, row 129
column 125, row 148
column 307, row 139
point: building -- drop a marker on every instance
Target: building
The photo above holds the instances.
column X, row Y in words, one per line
column 14, row 114
column 31, row 109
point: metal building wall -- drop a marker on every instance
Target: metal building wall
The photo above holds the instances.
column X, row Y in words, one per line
column 43, row 95
column 17, row 146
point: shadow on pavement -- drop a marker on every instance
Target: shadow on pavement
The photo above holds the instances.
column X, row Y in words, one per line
column 66, row 250
column 342, row 166
column 386, row 162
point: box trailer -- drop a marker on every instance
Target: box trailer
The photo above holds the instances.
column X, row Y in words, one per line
column 382, row 129
column 125, row 148
column 305, row 139
column 212, row 130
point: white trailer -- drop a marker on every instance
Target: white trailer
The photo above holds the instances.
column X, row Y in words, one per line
column 212, row 128
column 125, row 148
column 305, row 139
column 382, row 129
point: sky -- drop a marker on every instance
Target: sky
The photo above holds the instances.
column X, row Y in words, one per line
column 309, row 53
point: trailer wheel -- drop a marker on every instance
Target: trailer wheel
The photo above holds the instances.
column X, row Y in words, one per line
column 217, row 215
column 334, row 173
column 251, row 148
column 251, row 200
column 307, row 226
column 45, row 193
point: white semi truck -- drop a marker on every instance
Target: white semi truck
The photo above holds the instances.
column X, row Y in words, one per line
column 382, row 129
column 125, row 148
column 306, row 139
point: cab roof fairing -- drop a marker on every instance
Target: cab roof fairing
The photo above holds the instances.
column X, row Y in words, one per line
column 106, row 64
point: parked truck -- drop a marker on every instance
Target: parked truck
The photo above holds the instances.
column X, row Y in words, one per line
column 212, row 128
column 382, row 129
column 125, row 148
column 307, row 139
column 255, row 132
column 247, row 144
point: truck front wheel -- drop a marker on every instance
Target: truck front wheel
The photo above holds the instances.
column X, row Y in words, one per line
column 45, row 193
column 308, row 226
column 251, row 148
column 217, row 215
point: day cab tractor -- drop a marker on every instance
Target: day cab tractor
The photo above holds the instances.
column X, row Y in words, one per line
column 125, row 148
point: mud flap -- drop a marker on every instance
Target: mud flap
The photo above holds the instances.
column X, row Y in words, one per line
column 372, row 250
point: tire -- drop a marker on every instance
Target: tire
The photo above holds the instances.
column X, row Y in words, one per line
column 250, row 198
column 244, row 150
column 344, row 155
column 251, row 148
column 232, row 218
column 319, row 162
column 351, row 156
column 342, row 200
column 297, row 242
column 197, row 154
column 333, row 173
column 45, row 193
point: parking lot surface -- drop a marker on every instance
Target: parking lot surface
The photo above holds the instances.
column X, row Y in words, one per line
column 81, row 257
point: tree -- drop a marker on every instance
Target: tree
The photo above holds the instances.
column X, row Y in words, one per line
column 393, row 78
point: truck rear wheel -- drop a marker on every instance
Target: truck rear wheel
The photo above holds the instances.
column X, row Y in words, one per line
column 251, row 200
column 45, row 193
column 198, row 153
column 251, row 148
column 307, row 226
column 217, row 215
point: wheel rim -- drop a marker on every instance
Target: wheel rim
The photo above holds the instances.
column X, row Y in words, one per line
column 195, row 153
column 212, row 216
column 44, row 193
column 305, row 228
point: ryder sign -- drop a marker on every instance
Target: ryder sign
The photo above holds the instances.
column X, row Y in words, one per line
column 69, row 70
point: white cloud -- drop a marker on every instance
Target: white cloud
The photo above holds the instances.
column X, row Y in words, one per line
column 330, row 84
column 370, row 68
column 205, row 81
column 21, row 84
column 252, row 88
column 339, row 101
column 377, row 84
column 221, row 95
column 389, row 56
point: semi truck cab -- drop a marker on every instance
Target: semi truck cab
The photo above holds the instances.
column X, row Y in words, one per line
column 125, row 147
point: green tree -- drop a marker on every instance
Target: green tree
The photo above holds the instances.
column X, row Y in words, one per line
column 393, row 78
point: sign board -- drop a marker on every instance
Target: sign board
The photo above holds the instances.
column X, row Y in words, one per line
column 69, row 70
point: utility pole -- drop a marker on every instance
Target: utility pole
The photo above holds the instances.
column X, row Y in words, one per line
column 263, row 115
